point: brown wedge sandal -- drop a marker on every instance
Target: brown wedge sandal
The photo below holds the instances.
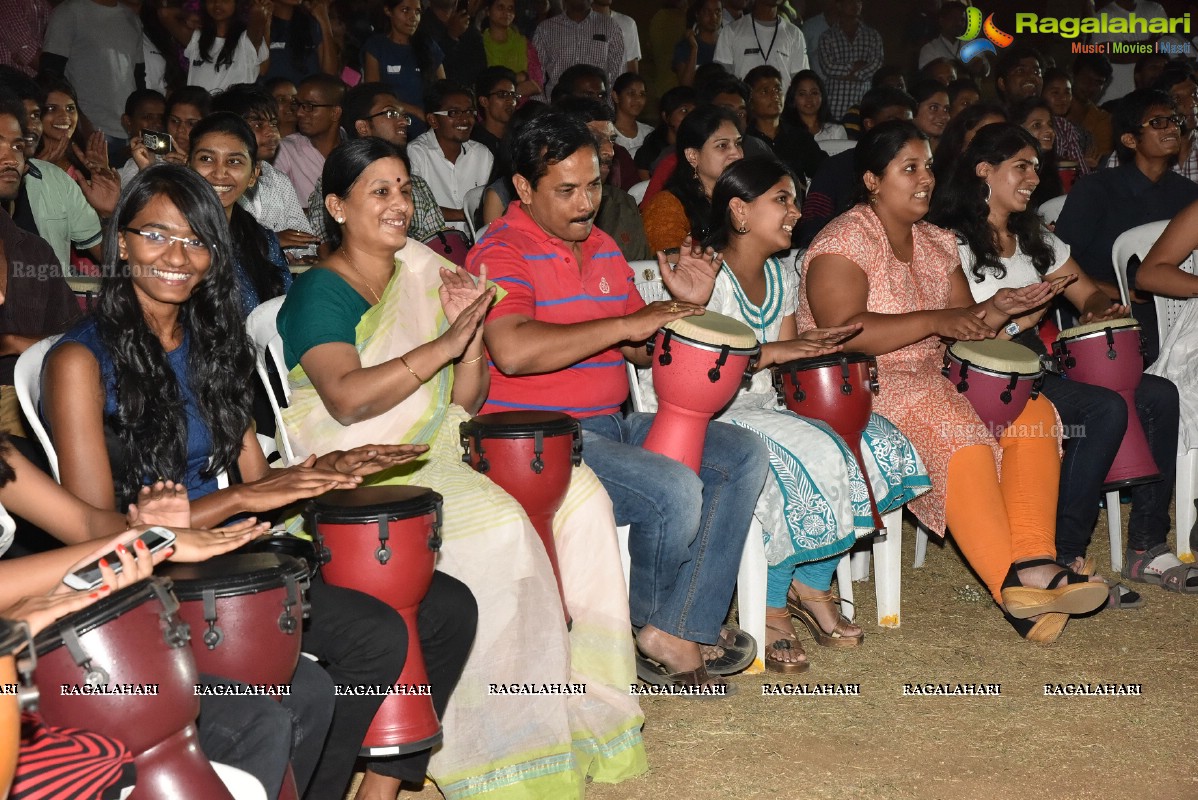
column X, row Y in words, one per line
column 778, row 621
column 833, row 638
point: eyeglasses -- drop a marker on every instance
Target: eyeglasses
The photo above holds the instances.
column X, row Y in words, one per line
column 1161, row 123
column 392, row 114
column 503, row 94
column 456, row 113
column 160, row 240
column 308, row 108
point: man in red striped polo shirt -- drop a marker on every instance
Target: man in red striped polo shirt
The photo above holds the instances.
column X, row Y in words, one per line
column 558, row 341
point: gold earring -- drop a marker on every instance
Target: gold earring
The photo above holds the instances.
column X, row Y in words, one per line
column 743, row 229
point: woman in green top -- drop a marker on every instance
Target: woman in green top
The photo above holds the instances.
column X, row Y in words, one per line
column 507, row 47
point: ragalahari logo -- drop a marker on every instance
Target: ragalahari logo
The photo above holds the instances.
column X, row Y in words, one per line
column 974, row 47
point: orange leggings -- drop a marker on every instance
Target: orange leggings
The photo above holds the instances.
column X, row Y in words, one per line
column 997, row 522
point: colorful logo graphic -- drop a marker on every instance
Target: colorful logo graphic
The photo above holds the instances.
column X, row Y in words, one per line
column 974, row 47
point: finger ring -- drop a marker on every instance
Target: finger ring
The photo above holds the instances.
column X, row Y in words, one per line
column 673, row 307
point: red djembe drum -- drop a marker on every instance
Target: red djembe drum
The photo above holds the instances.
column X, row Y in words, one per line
column 1111, row 354
column 698, row 365
column 530, row 455
column 383, row 541
column 998, row 377
column 837, row 389
column 451, row 244
column 132, row 637
column 14, row 637
column 245, row 612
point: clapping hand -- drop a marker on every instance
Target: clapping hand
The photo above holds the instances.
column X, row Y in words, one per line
column 692, row 278
column 465, row 304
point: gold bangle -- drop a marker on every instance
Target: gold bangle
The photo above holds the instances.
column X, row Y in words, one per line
column 473, row 360
column 408, row 367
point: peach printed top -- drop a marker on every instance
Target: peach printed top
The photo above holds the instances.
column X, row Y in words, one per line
column 921, row 402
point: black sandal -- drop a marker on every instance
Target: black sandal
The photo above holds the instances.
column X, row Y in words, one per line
column 1067, row 592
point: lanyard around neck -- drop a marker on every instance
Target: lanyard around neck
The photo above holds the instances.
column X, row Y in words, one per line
column 765, row 54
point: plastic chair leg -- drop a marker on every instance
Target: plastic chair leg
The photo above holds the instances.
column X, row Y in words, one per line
column 750, row 592
column 1114, row 523
column 888, row 556
column 1187, row 472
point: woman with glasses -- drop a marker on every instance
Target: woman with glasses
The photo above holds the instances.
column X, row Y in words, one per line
column 157, row 384
column 987, row 200
column 405, row 59
column 507, row 47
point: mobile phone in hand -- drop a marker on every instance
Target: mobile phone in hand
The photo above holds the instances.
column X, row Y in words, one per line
column 157, row 142
column 88, row 576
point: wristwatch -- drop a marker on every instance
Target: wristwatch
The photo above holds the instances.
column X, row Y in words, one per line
column 1012, row 328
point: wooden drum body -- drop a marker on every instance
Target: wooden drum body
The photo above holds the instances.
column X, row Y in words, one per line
column 133, row 638
column 699, row 364
column 383, row 541
column 997, row 378
column 1111, row 354
column 838, row 389
column 530, row 455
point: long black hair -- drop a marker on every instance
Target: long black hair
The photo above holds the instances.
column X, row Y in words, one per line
column 150, row 422
column 342, row 169
column 698, row 126
column 960, row 203
column 249, row 238
column 747, row 179
column 790, row 108
column 173, row 75
column 208, row 37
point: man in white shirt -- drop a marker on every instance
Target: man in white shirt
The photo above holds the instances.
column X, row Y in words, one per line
column 628, row 33
column 762, row 38
column 444, row 156
column 733, row 10
column 1123, row 79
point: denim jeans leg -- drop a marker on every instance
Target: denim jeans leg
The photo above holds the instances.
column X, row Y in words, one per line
column 1096, row 419
column 669, row 508
column 1158, row 405
column 661, row 500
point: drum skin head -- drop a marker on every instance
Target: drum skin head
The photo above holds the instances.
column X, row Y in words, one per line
column 826, row 361
column 234, row 574
column 715, row 329
column 520, row 424
column 997, row 355
column 1097, row 327
column 369, row 503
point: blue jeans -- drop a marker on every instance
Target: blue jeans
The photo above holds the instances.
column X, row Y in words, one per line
column 688, row 530
column 1101, row 416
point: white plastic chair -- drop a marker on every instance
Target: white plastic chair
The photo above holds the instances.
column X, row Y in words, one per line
column 1137, row 242
column 637, row 191
column 264, row 332
column 834, row 146
column 1050, row 210
column 470, row 204
column 241, row 784
column 27, row 375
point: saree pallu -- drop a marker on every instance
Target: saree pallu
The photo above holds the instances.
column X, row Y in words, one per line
column 501, row 745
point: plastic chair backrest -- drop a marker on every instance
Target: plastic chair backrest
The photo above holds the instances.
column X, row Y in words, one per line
column 27, row 377
column 1135, row 242
column 1050, row 209
column 470, row 204
column 637, row 191
column 834, row 146
column 264, row 332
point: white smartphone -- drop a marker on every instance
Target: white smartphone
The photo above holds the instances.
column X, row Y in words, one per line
column 89, row 577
